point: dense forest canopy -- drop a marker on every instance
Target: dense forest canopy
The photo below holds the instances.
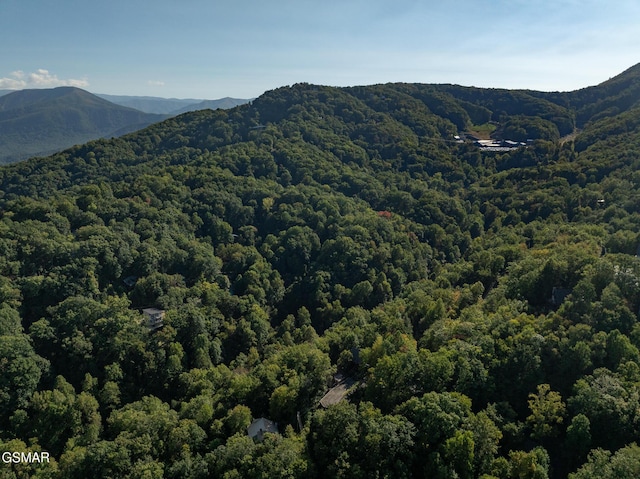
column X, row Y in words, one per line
column 480, row 307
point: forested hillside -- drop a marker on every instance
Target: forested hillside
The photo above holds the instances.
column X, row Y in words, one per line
column 44, row 121
column 482, row 306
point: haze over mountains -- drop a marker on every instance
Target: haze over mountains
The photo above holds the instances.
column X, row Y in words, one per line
column 223, row 103
column 171, row 106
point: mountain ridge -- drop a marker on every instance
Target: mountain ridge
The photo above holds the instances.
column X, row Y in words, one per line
column 449, row 112
column 527, row 113
column 39, row 121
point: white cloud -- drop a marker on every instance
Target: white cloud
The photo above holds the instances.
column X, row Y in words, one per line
column 155, row 83
column 15, row 81
column 41, row 78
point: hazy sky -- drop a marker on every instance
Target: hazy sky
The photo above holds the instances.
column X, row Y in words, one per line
column 240, row 48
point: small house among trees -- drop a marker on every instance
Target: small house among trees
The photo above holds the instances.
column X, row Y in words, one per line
column 154, row 317
column 260, row 426
column 558, row 295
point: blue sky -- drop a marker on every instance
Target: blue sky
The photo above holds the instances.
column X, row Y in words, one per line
column 240, row 48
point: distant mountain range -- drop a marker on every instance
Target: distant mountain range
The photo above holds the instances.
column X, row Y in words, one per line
column 150, row 104
column 223, row 103
column 170, row 106
column 42, row 121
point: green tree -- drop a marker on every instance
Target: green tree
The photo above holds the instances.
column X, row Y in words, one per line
column 360, row 442
column 20, row 372
column 578, row 441
column 529, row 465
column 547, row 412
column 624, row 464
